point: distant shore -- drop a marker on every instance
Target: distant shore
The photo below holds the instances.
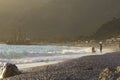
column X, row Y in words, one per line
column 84, row 68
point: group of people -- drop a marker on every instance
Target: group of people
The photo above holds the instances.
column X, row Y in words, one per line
column 100, row 47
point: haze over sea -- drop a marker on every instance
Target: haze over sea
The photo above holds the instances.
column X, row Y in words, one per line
column 22, row 54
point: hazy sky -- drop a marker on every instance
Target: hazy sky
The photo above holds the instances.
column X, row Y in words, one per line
column 51, row 18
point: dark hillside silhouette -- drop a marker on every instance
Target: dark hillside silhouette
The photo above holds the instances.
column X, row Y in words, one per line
column 108, row 29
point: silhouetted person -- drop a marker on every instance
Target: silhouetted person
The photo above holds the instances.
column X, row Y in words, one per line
column 93, row 50
column 101, row 46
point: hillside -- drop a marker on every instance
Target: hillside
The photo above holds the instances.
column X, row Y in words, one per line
column 108, row 29
column 50, row 19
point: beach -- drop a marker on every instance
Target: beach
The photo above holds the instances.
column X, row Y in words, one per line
column 60, row 40
column 31, row 64
column 84, row 68
column 51, row 62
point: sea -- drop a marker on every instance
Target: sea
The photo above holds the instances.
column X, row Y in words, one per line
column 22, row 54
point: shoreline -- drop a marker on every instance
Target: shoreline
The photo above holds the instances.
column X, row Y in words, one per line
column 40, row 64
column 65, row 57
column 35, row 64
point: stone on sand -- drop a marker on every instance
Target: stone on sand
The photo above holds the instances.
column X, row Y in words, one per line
column 9, row 70
column 110, row 74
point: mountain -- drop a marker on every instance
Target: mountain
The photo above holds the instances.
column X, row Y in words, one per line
column 49, row 19
column 109, row 29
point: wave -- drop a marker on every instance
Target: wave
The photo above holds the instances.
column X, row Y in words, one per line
column 18, row 54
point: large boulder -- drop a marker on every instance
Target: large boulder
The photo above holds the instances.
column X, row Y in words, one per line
column 9, row 70
column 110, row 74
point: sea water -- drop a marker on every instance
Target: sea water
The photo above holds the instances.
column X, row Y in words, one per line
column 20, row 54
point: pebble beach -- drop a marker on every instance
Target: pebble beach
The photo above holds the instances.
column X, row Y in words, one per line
column 84, row 68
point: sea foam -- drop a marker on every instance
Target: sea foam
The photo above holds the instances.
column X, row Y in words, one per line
column 20, row 54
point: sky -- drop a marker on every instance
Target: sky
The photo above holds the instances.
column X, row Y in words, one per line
column 55, row 18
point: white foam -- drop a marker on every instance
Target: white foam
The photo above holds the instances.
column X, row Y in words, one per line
column 44, row 53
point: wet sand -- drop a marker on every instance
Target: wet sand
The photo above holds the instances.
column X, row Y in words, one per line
column 84, row 68
column 30, row 65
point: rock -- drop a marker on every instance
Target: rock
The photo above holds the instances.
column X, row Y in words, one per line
column 110, row 74
column 106, row 74
column 9, row 70
column 118, row 69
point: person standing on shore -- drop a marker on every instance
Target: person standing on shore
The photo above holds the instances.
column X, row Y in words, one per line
column 101, row 46
column 93, row 50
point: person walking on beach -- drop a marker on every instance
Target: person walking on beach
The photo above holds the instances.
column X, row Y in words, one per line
column 101, row 46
